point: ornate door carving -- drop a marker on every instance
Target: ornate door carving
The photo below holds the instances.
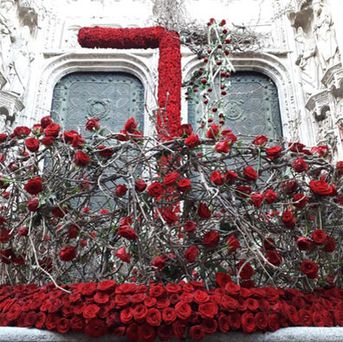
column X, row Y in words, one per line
column 251, row 106
column 110, row 96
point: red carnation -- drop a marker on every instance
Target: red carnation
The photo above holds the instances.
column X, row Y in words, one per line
column 52, row 129
column 320, row 187
column 309, row 268
column 191, row 253
column 250, row 173
column 319, row 236
column 131, row 125
column 299, row 165
column 34, row 186
column 127, row 232
column 203, row 211
column 260, row 140
column 211, row 239
column 192, row 141
column 92, row 124
column 32, row 144
column 67, row 253
column 257, row 199
column 81, row 158
column 155, row 189
column 123, row 255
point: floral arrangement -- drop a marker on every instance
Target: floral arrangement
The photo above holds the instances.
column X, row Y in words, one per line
column 181, row 234
column 180, row 310
column 169, row 67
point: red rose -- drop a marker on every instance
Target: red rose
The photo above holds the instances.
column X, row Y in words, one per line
column 171, row 178
column 250, row 173
column 92, row 124
column 23, row 231
column 248, row 322
column 127, row 232
column 274, row 257
column 169, row 215
column 140, row 185
column 192, row 141
column 309, row 268
column 140, row 312
column 159, row 262
column 33, row 204
column 121, row 190
column 185, row 130
column 32, row 144
column 299, row 165
column 217, row 178
column 123, row 255
column 168, row 315
column 21, row 131
column 321, row 151
column 213, row 131
column 304, row 243
column 296, row 147
column 48, row 141
column 104, row 151
column 320, row 187
column 34, row 185
column 184, row 185
column 289, row 186
column 243, row 190
column 191, row 253
column 183, row 310
column 233, row 243
column 155, row 189
column 211, row 238
column 208, row 310
column 146, row 333
column 329, row 245
column 273, row 152
column 68, row 253
column 222, row 147
column 196, row 333
column 62, row 325
column 203, row 211
column 95, row 328
column 81, row 158
column 46, row 121
column 319, row 236
column 230, row 176
column 339, row 167
column 190, row 226
column 131, row 125
column 257, row 199
column 200, row 296
column 300, row 200
column 52, row 129
column 229, row 136
column 4, row 235
column 260, row 140
column 154, row 317
column 270, row 196
column 3, row 137
column 245, row 272
column 288, row 218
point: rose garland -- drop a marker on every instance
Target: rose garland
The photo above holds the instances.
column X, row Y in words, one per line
column 181, row 310
column 169, row 67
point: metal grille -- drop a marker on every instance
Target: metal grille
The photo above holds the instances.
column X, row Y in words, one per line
column 251, row 106
column 112, row 97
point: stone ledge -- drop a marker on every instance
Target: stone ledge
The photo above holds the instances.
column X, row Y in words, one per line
column 299, row 334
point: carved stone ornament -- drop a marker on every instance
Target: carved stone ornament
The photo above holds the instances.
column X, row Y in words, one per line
column 10, row 106
column 333, row 80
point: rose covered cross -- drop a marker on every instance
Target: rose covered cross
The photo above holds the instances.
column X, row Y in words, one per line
column 169, row 67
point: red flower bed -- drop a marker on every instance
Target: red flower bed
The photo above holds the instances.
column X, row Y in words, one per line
column 169, row 67
column 178, row 310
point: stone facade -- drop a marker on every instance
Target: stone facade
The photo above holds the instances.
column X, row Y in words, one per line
column 300, row 51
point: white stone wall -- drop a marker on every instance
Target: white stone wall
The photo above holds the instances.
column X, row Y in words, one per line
column 301, row 43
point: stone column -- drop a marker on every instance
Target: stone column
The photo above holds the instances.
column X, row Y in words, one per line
column 336, row 9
